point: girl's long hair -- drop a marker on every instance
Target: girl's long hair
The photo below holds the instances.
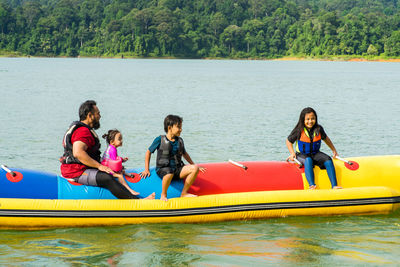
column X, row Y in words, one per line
column 110, row 135
column 300, row 124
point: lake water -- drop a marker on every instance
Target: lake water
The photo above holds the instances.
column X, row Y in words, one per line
column 240, row 110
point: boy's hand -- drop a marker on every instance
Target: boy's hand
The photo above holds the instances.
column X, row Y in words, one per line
column 202, row 169
column 145, row 174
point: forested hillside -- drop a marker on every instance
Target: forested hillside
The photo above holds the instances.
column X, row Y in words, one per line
column 200, row 28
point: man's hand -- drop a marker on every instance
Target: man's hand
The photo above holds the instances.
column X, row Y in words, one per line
column 105, row 169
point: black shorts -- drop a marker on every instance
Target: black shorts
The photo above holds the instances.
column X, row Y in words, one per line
column 318, row 158
column 167, row 170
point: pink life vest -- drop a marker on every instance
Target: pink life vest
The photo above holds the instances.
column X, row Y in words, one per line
column 115, row 165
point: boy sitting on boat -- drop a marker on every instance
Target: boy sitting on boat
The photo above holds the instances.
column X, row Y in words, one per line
column 169, row 165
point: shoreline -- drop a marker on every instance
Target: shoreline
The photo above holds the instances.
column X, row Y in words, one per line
column 285, row 58
column 339, row 58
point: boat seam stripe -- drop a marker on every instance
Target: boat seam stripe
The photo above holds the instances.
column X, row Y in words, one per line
column 195, row 211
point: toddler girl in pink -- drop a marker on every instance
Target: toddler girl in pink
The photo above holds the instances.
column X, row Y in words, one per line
column 111, row 158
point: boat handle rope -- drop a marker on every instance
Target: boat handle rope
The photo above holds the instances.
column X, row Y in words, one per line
column 296, row 161
column 4, row 167
column 345, row 161
column 238, row 164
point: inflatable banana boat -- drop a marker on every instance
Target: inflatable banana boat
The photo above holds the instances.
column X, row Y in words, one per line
column 227, row 191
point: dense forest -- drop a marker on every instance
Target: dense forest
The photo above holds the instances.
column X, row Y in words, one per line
column 200, row 28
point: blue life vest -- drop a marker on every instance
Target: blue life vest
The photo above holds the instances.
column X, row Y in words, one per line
column 308, row 145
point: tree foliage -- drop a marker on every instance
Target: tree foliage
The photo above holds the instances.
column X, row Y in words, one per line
column 201, row 28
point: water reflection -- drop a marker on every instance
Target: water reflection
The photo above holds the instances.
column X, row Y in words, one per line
column 303, row 240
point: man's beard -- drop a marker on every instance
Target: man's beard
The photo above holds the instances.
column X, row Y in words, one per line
column 96, row 125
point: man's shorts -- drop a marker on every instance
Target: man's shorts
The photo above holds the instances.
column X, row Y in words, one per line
column 167, row 170
column 318, row 158
column 88, row 177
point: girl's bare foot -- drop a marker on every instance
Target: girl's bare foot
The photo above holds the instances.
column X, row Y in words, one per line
column 151, row 196
column 133, row 192
column 188, row 195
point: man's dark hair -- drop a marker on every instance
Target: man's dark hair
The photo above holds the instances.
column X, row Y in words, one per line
column 171, row 120
column 86, row 108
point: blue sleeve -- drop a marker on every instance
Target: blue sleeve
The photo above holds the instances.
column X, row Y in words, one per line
column 156, row 144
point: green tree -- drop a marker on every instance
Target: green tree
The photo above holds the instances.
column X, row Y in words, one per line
column 5, row 16
column 218, row 23
column 392, row 44
column 232, row 38
column 32, row 11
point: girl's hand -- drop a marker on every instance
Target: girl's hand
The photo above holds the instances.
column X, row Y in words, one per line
column 124, row 159
column 335, row 154
column 291, row 157
column 144, row 174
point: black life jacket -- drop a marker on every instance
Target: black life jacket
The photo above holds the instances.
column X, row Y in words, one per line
column 93, row 152
column 164, row 153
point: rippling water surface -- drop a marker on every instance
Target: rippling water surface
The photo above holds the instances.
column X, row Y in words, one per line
column 241, row 110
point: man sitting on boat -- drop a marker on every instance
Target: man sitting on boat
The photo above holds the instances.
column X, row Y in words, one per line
column 81, row 159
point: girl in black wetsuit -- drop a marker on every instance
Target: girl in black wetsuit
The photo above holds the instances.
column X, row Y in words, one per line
column 307, row 135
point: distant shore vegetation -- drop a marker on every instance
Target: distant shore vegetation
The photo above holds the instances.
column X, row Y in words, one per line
column 237, row 29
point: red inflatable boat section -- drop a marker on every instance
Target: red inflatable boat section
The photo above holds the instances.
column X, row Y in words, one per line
column 259, row 176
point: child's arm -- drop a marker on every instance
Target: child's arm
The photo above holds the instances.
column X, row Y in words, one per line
column 188, row 158
column 146, row 171
column 291, row 150
column 112, row 152
column 331, row 146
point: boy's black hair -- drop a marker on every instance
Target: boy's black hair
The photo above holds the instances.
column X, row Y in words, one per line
column 110, row 136
column 300, row 124
column 171, row 120
column 85, row 108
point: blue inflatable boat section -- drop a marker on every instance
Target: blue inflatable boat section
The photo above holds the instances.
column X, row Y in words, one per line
column 33, row 184
column 145, row 187
column 36, row 184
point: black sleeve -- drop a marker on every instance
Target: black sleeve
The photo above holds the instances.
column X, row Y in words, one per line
column 293, row 136
column 322, row 131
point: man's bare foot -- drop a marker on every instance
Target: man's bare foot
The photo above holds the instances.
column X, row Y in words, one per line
column 188, row 195
column 151, row 196
column 163, row 198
